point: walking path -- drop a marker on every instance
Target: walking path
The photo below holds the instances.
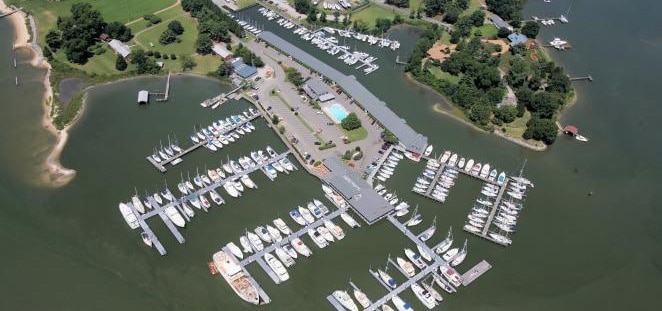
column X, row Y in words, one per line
column 157, row 12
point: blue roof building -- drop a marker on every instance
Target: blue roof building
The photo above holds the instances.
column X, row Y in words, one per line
column 516, row 38
column 242, row 70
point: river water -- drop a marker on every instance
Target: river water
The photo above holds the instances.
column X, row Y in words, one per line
column 69, row 249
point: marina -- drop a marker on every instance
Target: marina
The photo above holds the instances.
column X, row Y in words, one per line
column 219, row 99
column 205, row 139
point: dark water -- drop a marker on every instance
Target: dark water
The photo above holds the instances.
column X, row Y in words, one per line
column 68, row 249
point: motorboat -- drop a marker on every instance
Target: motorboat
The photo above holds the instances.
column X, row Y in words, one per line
column 296, row 216
column 274, row 234
column 129, row 216
column 445, row 157
column 247, row 181
column 284, row 257
column 469, row 166
column 245, row 244
column 428, row 150
column 300, row 247
column 195, row 201
column 262, row 232
column 277, row 267
column 306, row 215
column 317, row 238
column 424, row 253
column 204, row 201
column 282, row 226
column 401, row 212
column 216, row 197
column 349, row 220
column 406, row 266
column 451, row 275
column 386, row 307
column 147, row 238
column 286, row 164
column 485, row 170
column 501, row 179
column 314, row 210
column 424, row 296
column 435, row 294
column 278, row 167
column 256, row 243
column 335, row 230
column 325, row 233
column 187, row 209
column 415, row 258
column 236, row 251
column 343, row 297
column 231, row 190
column 453, row 160
column 175, row 216
column 460, row 164
column 387, row 279
column 362, row 298
column 400, row 304
column 476, row 169
column 235, row 277
column 290, row 251
column 441, row 282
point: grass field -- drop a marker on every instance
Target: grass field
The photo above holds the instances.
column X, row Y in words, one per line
column 165, row 15
column 517, row 127
column 244, row 3
column 146, row 38
column 415, row 4
column 437, row 72
column 356, row 134
column 487, row 30
column 371, row 13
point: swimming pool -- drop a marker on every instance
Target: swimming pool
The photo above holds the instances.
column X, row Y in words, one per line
column 336, row 112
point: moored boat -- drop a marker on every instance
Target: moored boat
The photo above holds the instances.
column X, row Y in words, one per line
column 277, row 267
column 129, row 216
column 235, row 277
column 344, row 299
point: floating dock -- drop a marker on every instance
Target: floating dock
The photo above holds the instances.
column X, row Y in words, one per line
column 493, row 210
column 159, row 209
column 161, row 166
column 219, row 99
column 473, row 273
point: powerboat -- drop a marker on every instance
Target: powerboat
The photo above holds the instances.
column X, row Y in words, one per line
column 245, row 244
column 443, row 283
column 424, row 296
column 236, row 251
column 349, row 220
column 317, row 238
column 247, row 181
column 274, row 234
column 284, row 257
column 335, row 230
column 325, row 233
column 282, row 226
column 277, row 267
column 435, row 294
column 306, row 215
column 415, row 258
column 216, row 197
column 235, row 277
column 231, row 190
column 362, row 298
column 428, row 150
column 296, row 216
column 255, row 241
column 147, row 238
column 400, row 304
column 263, row 234
column 175, row 216
column 129, row 217
column 451, row 275
column 406, row 266
column 300, row 247
column 424, row 253
column 343, row 297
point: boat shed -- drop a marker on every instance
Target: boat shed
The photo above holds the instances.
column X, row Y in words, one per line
column 363, row 199
column 242, row 70
column 318, row 90
column 570, row 130
column 516, row 38
column 119, row 47
column 143, row 97
column 409, row 139
column 500, row 22
column 222, row 51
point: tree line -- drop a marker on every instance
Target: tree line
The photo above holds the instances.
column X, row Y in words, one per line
column 213, row 24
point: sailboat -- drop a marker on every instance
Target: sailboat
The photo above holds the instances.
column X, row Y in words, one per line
column 446, row 243
column 427, row 234
column 136, row 203
column 435, row 294
column 387, row 279
column 459, row 258
column 415, row 218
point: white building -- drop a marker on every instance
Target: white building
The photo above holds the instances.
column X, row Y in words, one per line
column 119, row 47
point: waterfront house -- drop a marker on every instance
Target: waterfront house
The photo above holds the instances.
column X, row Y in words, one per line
column 318, row 90
column 222, row 51
column 119, row 47
column 517, row 38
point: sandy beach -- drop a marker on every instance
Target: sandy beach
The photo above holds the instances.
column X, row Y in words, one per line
column 55, row 174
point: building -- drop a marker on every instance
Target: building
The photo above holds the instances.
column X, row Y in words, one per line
column 318, row 90
column 363, row 199
column 242, row 70
column 119, row 47
column 499, row 22
column 143, row 97
column 517, row 38
column 222, row 51
column 407, row 136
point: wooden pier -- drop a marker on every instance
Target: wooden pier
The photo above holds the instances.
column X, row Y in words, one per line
column 588, row 78
column 161, row 165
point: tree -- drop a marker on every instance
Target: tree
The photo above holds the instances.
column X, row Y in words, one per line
column 312, row 17
column 224, row 70
column 176, row 27
column 530, row 29
column 544, row 130
column 399, row 3
column 144, row 64
column 389, row 137
column 323, row 17
column 503, row 32
column 76, row 51
column 519, row 72
column 153, row 19
column 336, row 16
column 545, row 104
column 558, row 81
column 451, row 14
column 167, row 37
column 117, row 30
column 507, row 9
column 54, row 39
column 506, row 114
column 397, row 19
column 120, row 63
column 203, row 44
column 480, row 114
column 351, row 122
column 294, row 76
column 434, row 7
column 477, row 18
column 303, row 6
column 382, row 25
column 187, row 62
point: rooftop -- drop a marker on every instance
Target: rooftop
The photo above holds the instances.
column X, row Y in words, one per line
column 499, row 22
column 516, row 38
column 409, row 138
column 119, row 47
column 243, row 70
column 361, row 197
column 221, row 51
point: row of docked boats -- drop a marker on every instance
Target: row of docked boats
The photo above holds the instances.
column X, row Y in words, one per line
column 170, row 150
column 386, row 170
column 471, row 167
column 370, row 39
column 401, row 207
column 248, row 27
column 506, row 212
column 436, row 184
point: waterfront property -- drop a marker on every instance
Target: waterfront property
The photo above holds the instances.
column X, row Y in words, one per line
column 318, row 90
column 242, row 70
column 407, row 136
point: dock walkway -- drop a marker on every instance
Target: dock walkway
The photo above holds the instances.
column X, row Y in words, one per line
column 371, row 176
column 473, row 273
column 495, row 207
column 161, row 165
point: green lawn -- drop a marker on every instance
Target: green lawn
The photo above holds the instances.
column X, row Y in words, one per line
column 356, row 134
column 371, row 13
column 165, row 15
column 245, row 3
column 415, row 4
column 186, row 46
column 487, row 30
column 103, row 64
column 473, row 5
column 47, row 11
column 437, row 72
column 517, row 127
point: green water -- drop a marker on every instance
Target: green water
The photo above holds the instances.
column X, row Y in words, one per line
column 69, row 249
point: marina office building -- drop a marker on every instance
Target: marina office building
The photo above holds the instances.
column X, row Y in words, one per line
column 409, row 139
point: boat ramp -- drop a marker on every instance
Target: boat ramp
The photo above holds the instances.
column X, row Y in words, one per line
column 161, row 166
column 159, row 209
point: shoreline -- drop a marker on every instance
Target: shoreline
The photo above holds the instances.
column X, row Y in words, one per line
column 436, row 107
column 55, row 174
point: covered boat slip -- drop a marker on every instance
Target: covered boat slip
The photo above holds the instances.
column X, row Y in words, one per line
column 363, row 199
column 410, row 139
